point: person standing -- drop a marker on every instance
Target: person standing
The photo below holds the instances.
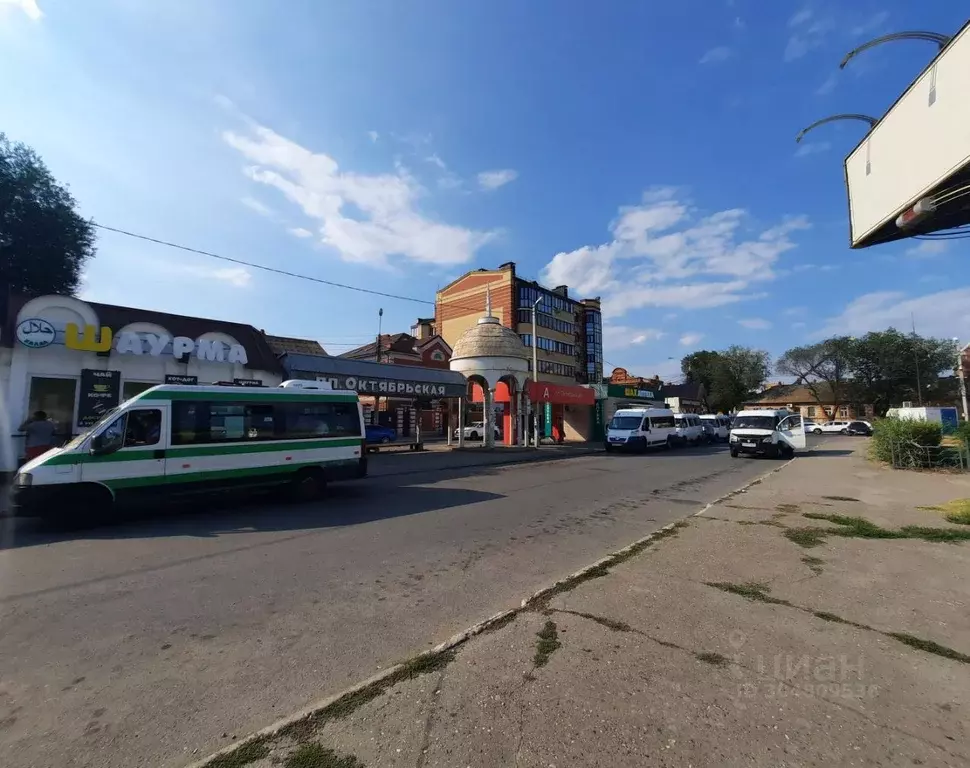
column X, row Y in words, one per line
column 40, row 435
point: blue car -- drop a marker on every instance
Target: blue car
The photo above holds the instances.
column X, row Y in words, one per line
column 376, row 433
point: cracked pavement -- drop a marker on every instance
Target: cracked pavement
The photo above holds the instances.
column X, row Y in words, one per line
column 675, row 658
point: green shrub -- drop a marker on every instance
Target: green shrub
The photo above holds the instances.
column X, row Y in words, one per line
column 962, row 432
column 899, row 441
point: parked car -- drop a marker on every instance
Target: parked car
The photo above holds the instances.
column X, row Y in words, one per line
column 689, row 429
column 826, row 427
column 719, row 424
column 859, row 428
column 378, row 433
column 476, row 430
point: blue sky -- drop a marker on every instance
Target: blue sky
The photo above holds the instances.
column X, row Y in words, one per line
column 639, row 151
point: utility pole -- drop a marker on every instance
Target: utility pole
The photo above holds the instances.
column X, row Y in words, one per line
column 535, row 370
column 961, row 378
column 919, row 387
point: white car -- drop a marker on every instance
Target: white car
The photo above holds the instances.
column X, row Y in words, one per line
column 476, row 430
column 690, row 431
column 830, row 427
column 720, row 423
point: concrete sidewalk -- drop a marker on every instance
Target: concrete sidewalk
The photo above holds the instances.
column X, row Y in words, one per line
column 750, row 635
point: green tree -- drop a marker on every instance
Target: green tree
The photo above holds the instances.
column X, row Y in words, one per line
column 729, row 376
column 886, row 366
column 824, row 369
column 44, row 243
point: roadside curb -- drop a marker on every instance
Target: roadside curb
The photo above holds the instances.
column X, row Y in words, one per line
column 494, row 621
column 518, row 458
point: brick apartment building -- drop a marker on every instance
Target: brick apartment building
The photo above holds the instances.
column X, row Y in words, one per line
column 570, row 331
column 569, row 339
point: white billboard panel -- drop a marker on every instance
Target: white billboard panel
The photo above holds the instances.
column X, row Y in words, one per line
column 922, row 140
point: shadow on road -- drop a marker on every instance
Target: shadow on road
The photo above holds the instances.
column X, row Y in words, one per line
column 351, row 503
column 384, row 495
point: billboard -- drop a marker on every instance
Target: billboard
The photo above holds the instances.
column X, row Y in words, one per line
column 919, row 147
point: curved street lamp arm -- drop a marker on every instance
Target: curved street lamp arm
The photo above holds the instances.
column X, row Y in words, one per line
column 932, row 37
column 865, row 118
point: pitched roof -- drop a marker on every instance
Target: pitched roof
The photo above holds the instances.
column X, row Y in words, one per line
column 793, row 393
column 400, row 343
column 282, row 344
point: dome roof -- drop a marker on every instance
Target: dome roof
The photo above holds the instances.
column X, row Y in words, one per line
column 489, row 338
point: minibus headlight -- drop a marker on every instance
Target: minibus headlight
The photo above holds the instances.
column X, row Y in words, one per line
column 734, row 438
column 23, row 479
column 766, row 439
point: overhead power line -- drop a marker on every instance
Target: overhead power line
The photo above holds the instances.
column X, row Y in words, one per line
column 262, row 267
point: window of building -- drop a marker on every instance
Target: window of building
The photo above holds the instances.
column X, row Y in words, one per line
column 56, row 397
column 131, row 388
column 810, row 411
column 843, row 411
column 437, row 355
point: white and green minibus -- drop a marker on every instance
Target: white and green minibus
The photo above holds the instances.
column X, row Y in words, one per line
column 173, row 440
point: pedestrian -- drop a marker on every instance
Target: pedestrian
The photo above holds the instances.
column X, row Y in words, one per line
column 40, row 435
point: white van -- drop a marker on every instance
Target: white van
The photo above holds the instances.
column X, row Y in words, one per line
column 640, row 428
column 175, row 440
column 690, row 431
column 720, row 423
column 775, row 433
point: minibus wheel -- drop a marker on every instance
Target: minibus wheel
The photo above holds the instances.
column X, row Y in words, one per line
column 308, row 484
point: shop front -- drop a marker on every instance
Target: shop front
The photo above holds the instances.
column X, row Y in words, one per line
column 563, row 408
column 626, row 396
column 398, row 396
column 75, row 360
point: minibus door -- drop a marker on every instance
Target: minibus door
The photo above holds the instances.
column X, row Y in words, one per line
column 793, row 432
column 128, row 455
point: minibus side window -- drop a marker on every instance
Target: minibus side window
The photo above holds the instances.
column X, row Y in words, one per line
column 144, row 428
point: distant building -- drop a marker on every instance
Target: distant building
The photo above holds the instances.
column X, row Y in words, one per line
column 570, row 331
column 688, row 397
column 799, row 398
column 569, row 343
column 424, row 349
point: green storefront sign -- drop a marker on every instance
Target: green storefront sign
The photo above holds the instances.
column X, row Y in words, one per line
column 634, row 393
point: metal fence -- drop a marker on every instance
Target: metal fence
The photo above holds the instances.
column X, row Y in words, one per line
column 910, row 455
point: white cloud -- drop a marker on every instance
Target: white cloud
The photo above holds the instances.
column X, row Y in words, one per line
column 690, row 339
column 373, row 136
column 435, row 160
column 828, row 85
column 366, row 218
column 798, row 325
column 943, row 314
column 236, row 277
column 755, row 323
column 795, row 311
column 872, row 24
column 808, row 33
column 716, row 55
column 927, row 249
column 622, row 336
column 490, row 180
column 258, row 207
column 661, row 256
column 300, row 232
column 802, row 17
column 29, row 7
column 804, row 150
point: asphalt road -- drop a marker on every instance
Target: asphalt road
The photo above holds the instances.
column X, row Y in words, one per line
column 153, row 642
